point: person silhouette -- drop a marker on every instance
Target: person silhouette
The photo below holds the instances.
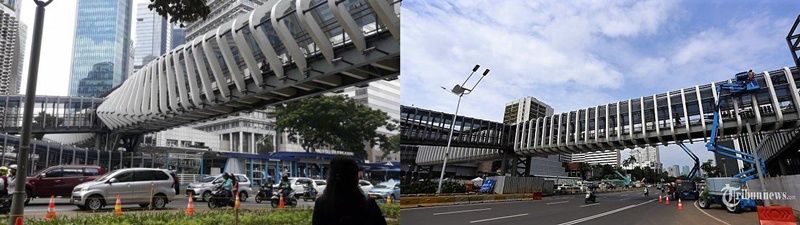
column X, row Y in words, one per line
column 343, row 202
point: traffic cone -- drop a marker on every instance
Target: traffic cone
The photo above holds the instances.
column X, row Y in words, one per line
column 190, row 206
column 667, row 201
column 118, row 207
column 237, row 204
column 51, row 209
column 680, row 204
column 660, row 200
column 280, row 203
column 19, row 221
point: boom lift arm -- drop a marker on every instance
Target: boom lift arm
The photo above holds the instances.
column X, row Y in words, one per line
column 696, row 166
column 745, row 83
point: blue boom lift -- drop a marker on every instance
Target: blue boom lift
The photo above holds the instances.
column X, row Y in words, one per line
column 718, row 189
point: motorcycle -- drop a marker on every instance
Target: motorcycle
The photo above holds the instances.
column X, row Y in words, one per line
column 311, row 193
column 646, row 192
column 590, row 197
column 265, row 194
column 220, row 198
column 288, row 201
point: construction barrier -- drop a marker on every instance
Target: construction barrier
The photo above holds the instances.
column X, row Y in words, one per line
column 776, row 215
column 414, row 201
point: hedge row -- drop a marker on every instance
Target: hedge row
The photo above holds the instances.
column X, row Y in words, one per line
column 246, row 217
column 429, row 187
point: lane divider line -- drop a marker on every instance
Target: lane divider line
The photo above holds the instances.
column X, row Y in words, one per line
column 553, row 203
column 581, row 220
column 696, row 205
column 593, row 204
column 498, row 218
column 461, row 211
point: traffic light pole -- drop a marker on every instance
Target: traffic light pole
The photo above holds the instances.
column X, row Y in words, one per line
column 18, row 199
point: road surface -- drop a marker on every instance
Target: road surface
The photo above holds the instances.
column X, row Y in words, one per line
column 612, row 208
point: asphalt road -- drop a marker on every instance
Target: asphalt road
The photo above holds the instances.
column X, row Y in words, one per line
column 612, row 208
column 38, row 207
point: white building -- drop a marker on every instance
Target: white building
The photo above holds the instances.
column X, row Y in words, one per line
column 12, row 47
column 608, row 157
column 222, row 11
column 185, row 137
column 645, row 157
column 384, row 96
column 525, row 109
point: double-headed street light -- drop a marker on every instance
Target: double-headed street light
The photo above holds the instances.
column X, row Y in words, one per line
column 460, row 91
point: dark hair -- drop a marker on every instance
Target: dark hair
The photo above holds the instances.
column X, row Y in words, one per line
column 342, row 191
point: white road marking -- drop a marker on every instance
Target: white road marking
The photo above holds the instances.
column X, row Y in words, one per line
column 593, row 204
column 696, row 205
column 497, row 218
column 553, row 203
column 581, row 220
column 461, row 211
column 466, row 204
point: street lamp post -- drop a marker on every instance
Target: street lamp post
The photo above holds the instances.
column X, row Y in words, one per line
column 460, row 91
column 18, row 199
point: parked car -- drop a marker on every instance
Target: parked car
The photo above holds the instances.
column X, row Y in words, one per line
column 60, row 180
column 320, row 186
column 297, row 184
column 141, row 186
column 383, row 190
column 202, row 189
column 365, row 186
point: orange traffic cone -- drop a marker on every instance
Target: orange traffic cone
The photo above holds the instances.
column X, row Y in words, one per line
column 660, row 200
column 51, row 209
column 280, row 203
column 667, row 201
column 19, row 221
column 190, row 205
column 680, row 204
column 237, row 204
column 118, row 207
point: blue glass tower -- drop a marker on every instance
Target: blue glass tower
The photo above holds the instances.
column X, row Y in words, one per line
column 102, row 45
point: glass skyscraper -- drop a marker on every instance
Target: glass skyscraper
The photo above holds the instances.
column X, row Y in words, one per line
column 102, row 45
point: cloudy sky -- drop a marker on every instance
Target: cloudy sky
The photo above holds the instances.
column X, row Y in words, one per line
column 577, row 54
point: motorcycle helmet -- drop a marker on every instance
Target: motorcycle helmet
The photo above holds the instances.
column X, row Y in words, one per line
column 3, row 171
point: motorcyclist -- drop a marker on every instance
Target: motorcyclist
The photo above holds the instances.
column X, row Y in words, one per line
column 285, row 185
column 646, row 191
column 12, row 171
column 227, row 184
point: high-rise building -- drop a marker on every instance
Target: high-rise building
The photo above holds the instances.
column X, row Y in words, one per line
column 222, row 11
column 151, row 35
column 177, row 36
column 608, row 157
column 101, row 48
column 673, row 171
column 525, row 109
column 645, row 157
column 384, row 96
column 12, row 47
column 547, row 166
column 685, row 170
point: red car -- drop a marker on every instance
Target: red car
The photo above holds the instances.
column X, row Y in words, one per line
column 60, row 180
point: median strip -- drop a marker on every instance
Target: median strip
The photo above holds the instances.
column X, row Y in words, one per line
column 603, row 214
column 461, row 211
column 553, row 203
column 498, row 218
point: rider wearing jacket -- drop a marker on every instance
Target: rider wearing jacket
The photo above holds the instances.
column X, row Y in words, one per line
column 227, row 184
column 285, row 186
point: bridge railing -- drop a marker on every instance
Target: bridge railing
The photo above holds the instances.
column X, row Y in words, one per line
column 52, row 114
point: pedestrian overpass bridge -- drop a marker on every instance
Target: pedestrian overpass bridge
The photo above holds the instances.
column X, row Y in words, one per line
column 52, row 115
column 682, row 115
column 281, row 51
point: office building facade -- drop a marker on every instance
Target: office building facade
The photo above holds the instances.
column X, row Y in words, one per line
column 384, row 96
column 645, row 157
column 222, row 11
column 102, row 46
column 151, row 35
column 608, row 157
column 525, row 109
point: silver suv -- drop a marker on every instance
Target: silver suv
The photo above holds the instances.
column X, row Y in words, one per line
column 141, row 186
column 202, row 189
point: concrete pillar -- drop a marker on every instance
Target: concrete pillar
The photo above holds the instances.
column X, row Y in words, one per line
column 47, row 157
column 61, row 156
column 230, row 142
column 5, row 146
column 241, row 142
column 253, row 143
column 86, row 156
column 73, row 156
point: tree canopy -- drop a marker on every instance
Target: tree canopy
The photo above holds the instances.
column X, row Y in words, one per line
column 180, row 11
column 334, row 122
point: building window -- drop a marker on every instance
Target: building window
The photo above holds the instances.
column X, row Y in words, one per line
column 171, row 142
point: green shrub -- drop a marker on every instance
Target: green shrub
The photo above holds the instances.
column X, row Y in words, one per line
column 429, row 187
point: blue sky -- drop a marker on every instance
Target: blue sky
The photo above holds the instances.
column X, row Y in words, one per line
column 577, row 54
